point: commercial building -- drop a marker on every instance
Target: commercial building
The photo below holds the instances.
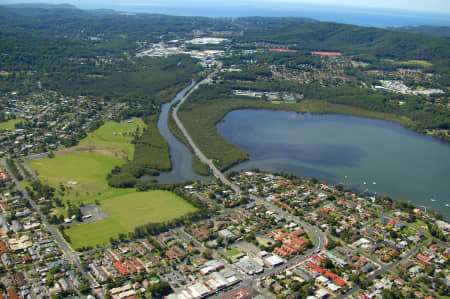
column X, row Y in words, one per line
column 273, row 261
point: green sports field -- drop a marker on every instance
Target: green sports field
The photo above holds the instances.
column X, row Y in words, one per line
column 84, row 168
column 84, row 173
column 9, row 125
column 125, row 212
column 114, row 135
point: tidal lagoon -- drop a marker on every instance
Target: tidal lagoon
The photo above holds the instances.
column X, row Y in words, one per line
column 371, row 155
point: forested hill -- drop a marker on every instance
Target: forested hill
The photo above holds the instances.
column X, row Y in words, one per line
column 91, row 52
column 43, row 38
column 72, row 22
column 430, row 30
column 352, row 40
column 363, row 43
column 303, row 33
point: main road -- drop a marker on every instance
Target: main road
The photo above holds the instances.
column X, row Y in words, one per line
column 68, row 251
column 319, row 238
column 317, row 234
column 216, row 172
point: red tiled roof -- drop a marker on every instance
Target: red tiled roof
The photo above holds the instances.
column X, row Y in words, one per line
column 399, row 281
column 299, row 242
column 423, row 257
column 315, row 267
column 3, row 247
column 284, row 205
column 12, row 294
column 434, row 247
column 317, row 258
column 330, row 275
column 424, row 262
column 280, row 251
column 118, row 265
column 137, row 263
column 204, row 230
column 340, row 282
column 336, row 279
column 298, row 233
column 130, row 266
column 363, row 296
column 4, row 206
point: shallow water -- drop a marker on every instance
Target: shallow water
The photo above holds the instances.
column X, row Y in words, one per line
column 372, row 155
column 180, row 155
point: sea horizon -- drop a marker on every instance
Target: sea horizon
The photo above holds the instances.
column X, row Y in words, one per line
column 369, row 17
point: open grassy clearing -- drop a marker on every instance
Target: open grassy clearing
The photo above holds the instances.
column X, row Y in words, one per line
column 125, row 212
column 93, row 234
column 115, row 135
column 423, row 63
column 83, row 172
column 9, row 125
column 139, row 208
column 232, row 251
column 200, row 119
column 420, row 63
column 84, row 168
column 422, row 226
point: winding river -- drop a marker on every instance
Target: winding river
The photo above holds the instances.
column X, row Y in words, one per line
column 180, row 155
column 372, row 155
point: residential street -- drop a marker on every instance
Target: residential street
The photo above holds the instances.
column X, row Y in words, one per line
column 383, row 269
column 68, row 251
column 319, row 237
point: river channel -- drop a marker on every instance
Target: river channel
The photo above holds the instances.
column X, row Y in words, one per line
column 180, row 155
column 371, row 155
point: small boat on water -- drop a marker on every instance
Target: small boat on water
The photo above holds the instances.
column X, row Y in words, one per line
column 447, row 205
column 374, row 183
column 432, row 199
column 364, row 183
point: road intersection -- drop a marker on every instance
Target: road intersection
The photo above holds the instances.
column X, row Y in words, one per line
column 320, row 239
column 68, row 251
column 319, row 236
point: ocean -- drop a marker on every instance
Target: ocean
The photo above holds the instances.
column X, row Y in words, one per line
column 349, row 15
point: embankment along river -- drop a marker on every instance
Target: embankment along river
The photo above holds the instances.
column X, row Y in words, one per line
column 180, row 156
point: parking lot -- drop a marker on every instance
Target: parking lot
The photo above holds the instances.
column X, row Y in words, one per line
column 92, row 213
column 247, row 248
